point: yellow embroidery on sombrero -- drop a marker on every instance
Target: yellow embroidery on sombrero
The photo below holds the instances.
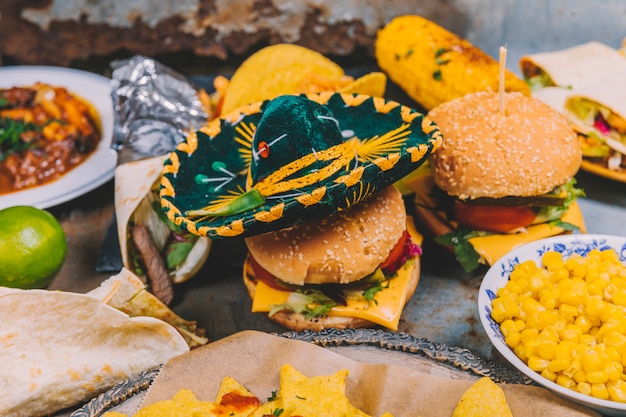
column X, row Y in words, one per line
column 186, row 145
column 379, row 146
column 387, row 162
column 192, row 140
column 321, row 98
column 354, row 101
column 428, row 125
column 383, row 106
column 173, row 166
column 351, row 178
column 417, row 152
column 408, row 115
column 166, row 188
column 191, row 227
column 212, row 129
column 246, row 135
column 358, row 194
column 340, row 156
column 313, row 198
column 235, row 230
column 274, row 213
column 437, row 140
column 204, row 230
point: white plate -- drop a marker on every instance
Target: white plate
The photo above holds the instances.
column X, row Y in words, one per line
column 95, row 170
column 498, row 275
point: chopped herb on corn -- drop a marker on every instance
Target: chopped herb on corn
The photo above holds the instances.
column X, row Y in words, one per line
column 433, row 65
column 566, row 319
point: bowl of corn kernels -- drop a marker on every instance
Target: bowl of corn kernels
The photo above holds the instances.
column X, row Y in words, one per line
column 556, row 310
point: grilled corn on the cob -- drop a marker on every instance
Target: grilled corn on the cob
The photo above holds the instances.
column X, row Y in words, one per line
column 433, row 65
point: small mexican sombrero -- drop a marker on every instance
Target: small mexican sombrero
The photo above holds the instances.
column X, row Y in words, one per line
column 276, row 163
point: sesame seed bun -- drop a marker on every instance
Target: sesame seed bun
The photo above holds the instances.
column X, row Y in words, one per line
column 341, row 248
column 525, row 151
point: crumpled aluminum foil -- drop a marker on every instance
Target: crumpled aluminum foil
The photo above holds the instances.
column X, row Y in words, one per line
column 155, row 108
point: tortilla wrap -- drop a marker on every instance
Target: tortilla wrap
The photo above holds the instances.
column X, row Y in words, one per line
column 136, row 190
column 65, row 348
column 575, row 67
column 127, row 293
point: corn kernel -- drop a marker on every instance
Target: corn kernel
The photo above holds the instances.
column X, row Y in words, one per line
column 558, row 364
column 600, row 391
column 568, row 312
column 548, row 374
column 595, row 306
column 508, row 326
column 537, row 364
column 552, row 260
column 583, row 322
column 617, row 390
column 512, row 339
column 614, row 370
column 565, row 381
column 584, row 388
column 529, row 334
column 592, row 361
column 570, row 332
column 597, row 377
column 547, row 349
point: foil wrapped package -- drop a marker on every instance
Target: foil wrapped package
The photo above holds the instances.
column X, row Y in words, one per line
column 155, row 108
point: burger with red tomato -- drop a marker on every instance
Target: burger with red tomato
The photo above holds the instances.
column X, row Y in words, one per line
column 355, row 268
column 504, row 176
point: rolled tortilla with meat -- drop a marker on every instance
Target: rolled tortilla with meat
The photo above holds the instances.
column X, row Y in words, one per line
column 571, row 68
column 152, row 247
column 61, row 349
column 598, row 114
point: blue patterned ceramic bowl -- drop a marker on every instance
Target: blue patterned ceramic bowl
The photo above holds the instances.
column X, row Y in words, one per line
column 498, row 275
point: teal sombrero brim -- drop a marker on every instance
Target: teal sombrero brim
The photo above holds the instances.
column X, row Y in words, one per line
column 226, row 144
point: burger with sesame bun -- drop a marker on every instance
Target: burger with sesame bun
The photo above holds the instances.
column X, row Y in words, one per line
column 504, row 176
column 309, row 182
column 355, row 268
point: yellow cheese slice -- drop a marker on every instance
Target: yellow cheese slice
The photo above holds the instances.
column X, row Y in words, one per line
column 389, row 301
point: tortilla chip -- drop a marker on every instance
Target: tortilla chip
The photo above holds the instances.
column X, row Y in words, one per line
column 291, row 69
column 316, row 396
column 484, row 398
column 65, row 348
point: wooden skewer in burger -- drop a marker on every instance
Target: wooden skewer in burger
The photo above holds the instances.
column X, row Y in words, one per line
column 307, row 180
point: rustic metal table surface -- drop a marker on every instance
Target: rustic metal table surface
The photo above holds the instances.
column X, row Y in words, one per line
column 442, row 310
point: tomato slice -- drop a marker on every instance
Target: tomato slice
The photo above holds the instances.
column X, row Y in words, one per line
column 265, row 276
column 396, row 252
column 500, row 219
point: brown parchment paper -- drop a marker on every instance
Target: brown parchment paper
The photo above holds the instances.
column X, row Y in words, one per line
column 254, row 359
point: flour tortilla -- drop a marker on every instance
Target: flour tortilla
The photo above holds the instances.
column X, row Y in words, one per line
column 608, row 91
column 66, row 348
column 127, row 293
column 577, row 66
column 134, row 182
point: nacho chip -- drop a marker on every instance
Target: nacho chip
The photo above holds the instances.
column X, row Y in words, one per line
column 292, row 69
column 484, row 398
column 316, row 396
column 232, row 400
